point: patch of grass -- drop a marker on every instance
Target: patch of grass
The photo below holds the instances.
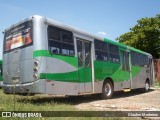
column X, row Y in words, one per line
column 32, row 103
column 157, row 84
column 12, row 102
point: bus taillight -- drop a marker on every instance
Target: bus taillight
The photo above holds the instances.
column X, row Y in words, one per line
column 35, row 75
column 36, row 63
column 35, row 69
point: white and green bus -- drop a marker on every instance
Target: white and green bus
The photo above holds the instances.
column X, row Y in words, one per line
column 42, row 56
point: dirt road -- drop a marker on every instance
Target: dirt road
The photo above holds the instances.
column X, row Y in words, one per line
column 130, row 101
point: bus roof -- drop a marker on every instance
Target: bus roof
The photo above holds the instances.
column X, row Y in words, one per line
column 76, row 30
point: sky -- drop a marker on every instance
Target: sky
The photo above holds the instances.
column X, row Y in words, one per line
column 104, row 18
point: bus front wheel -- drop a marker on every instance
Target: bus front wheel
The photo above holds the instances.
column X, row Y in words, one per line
column 107, row 90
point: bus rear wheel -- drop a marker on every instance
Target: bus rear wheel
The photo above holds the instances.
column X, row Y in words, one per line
column 107, row 90
column 147, row 86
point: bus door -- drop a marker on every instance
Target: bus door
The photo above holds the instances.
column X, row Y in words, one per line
column 84, row 65
column 126, row 69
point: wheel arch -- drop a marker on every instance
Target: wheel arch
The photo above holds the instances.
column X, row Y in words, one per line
column 110, row 80
column 147, row 80
column 110, row 91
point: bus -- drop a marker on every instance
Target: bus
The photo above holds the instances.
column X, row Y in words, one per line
column 43, row 56
column 1, row 79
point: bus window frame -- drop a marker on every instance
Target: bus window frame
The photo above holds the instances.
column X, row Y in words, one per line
column 101, row 50
column 105, row 50
column 62, row 43
column 139, row 59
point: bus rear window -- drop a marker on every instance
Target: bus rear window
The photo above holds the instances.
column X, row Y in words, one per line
column 18, row 36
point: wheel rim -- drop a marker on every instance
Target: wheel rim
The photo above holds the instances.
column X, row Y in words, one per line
column 146, row 86
column 108, row 89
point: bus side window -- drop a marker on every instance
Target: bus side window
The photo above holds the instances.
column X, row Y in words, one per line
column 67, row 49
column 101, row 50
column 53, row 33
column 99, row 55
column 113, row 53
column 54, row 50
column 55, row 47
column 66, row 37
column 98, row 45
column 60, row 41
column 134, row 58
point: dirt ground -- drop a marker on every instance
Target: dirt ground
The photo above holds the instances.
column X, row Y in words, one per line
column 130, row 101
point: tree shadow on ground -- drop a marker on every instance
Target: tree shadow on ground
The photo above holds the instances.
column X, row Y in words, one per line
column 75, row 100
column 121, row 94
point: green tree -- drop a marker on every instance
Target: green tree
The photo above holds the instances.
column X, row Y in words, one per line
column 145, row 35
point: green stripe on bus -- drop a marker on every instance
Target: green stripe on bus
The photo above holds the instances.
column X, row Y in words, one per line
column 114, row 71
column 102, row 70
column 105, row 69
column 121, row 75
column 69, row 59
column 1, row 78
column 65, row 77
column 135, row 70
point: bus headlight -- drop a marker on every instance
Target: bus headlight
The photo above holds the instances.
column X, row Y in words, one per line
column 35, row 70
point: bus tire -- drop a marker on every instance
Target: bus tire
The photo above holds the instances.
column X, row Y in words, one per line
column 147, row 86
column 107, row 90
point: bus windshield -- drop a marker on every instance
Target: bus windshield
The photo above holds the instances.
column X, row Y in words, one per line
column 18, row 36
